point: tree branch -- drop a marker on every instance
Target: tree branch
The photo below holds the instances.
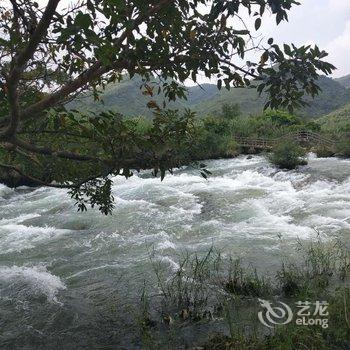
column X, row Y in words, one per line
column 31, row 178
column 19, row 63
column 91, row 74
column 38, row 34
column 240, row 69
column 59, row 154
column 49, row 184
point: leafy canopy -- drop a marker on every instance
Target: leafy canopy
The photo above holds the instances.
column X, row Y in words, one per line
column 50, row 54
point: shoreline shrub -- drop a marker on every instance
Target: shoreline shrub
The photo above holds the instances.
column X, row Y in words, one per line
column 288, row 155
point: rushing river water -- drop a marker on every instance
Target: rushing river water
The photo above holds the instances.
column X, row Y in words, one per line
column 67, row 278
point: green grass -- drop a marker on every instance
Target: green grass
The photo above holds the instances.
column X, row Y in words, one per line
column 222, row 296
column 246, row 282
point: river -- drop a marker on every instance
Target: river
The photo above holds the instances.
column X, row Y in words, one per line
column 67, row 279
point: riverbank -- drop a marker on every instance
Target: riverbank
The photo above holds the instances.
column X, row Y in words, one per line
column 159, row 144
column 305, row 304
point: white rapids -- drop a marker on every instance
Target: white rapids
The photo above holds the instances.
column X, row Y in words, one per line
column 63, row 264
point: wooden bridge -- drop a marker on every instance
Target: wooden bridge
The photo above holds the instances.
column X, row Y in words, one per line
column 303, row 137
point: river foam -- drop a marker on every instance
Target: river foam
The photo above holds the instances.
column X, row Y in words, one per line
column 63, row 269
column 35, row 278
column 16, row 237
column 245, row 208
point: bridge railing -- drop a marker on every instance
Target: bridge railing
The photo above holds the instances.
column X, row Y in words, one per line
column 309, row 136
column 300, row 136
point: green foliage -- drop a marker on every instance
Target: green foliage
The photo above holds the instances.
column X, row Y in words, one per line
column 230, row 111
column 190, row 34
column 320, row 262
column 337, row 122
column 188, row 288
column 309, row 58
column 160, row 144
column 288, row 155
column 96, row 192
column 231, row 147
column 313, row 126
column 282, row 118
column 241, row 282
column 337, row 125
column 343, row 147
column 324, row 151
column 213, row 139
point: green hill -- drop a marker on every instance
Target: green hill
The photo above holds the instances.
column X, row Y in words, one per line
column 345, row 81
column 332, row 97
column 127, row 98
column 337, row 121
column 124, row 97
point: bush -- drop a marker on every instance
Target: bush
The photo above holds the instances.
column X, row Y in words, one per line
column 324, row 152
column 288, row 155
column 343, row 147
column 230, row 111
column 231, row 148
column 281, row 118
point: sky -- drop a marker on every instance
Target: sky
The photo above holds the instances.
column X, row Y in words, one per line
column 322, row 22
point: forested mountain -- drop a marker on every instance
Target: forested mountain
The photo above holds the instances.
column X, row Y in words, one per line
column 124, row 97
column 345, row 81
column 333, row 96
column 127, row 98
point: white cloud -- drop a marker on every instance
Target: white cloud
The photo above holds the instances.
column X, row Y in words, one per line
column 339, row 51
column 339, row 5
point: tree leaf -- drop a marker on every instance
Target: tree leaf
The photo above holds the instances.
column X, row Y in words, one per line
column 257, row 23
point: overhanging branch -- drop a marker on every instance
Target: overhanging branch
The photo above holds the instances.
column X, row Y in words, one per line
column 91, row 74
column 59, row 154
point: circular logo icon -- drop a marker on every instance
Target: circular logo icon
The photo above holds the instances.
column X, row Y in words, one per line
column 274, row 315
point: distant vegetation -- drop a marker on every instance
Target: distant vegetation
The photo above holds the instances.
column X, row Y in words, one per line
column 337, row 126
column 195, row 138
column 345, row 81
column 127, row 98
column 336, row 122
column 224, row 115
column 343, row 146
column 221, row 115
